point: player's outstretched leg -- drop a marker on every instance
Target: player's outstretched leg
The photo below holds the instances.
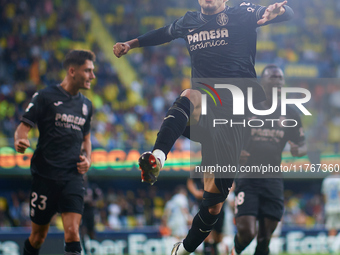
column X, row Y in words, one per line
column 188, row 105
column 201, row 227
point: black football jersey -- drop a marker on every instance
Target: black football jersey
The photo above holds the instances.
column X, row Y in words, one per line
column 265, row 144
column 221, row 45
column 63, row 120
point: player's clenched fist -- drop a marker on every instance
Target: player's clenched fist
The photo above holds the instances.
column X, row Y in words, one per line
column 21, row 145
column 120, row 49
column 84, row 165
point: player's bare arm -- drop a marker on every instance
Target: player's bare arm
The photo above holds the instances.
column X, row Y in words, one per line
column 21, row 142
column 298, row 150
column 120, row 49
column 85, row 160
column 272, row 12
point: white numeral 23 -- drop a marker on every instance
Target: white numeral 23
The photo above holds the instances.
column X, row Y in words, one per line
column 42, row 205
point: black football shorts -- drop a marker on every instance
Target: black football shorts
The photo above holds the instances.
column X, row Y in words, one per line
column 221, row 147
column 221, row 127
column 262, row 198
column 49, row 197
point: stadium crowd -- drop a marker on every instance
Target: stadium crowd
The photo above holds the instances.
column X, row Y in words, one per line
column 33, row 45
column 35, row 35
column 128, row 208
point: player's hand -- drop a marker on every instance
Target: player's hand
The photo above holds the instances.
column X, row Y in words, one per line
column 21, row 145
column 272, row 12
column 84, row 165
column 120, row 49
column 294, row 149
column 244, row 157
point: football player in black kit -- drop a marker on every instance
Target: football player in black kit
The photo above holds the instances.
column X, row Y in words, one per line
column 222, row 44
column 260, row 197
column 63, row 117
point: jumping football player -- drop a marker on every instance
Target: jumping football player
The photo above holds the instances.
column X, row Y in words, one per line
column 222, row 44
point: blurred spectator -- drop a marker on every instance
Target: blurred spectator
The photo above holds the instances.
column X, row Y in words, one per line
column 331, row 192
column 176, row 213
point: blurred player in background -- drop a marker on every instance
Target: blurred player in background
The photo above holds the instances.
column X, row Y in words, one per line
column 331, row 191
column 229, row 218
column 257, row 197
column 63, row 116
column 222, row 44
column 176, row 213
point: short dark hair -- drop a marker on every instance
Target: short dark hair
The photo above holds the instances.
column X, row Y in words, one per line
column 270, row 66
column 78, row 57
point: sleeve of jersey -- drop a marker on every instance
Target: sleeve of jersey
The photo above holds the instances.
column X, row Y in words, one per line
column 253, row 13
column 155, row 37
column 32, row 111
column 87, row 126
column 162, row 35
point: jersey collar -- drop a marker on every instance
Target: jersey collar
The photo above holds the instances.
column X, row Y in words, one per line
column 205, row 18
column 66, row 93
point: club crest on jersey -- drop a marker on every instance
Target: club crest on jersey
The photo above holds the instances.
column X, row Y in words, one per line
column 222, row 19
column 85, row 110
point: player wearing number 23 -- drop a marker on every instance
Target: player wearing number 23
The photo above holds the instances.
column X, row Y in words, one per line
column 63, row 117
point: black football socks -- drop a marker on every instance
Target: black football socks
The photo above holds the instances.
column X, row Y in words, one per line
column 72, row 248
column 202, row 225
column 29, row 249
column 174, row 124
